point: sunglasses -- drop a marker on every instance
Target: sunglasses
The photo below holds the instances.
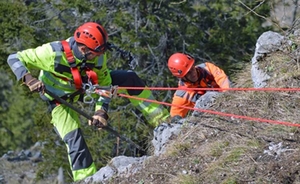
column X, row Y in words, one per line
column 99, row 50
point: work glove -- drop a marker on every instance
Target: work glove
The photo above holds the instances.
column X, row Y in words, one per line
column 33, row 83
column 205, row 101
column 176, row 119
column 99, row 119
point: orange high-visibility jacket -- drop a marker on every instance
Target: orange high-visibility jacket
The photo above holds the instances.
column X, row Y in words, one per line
column 210, row 76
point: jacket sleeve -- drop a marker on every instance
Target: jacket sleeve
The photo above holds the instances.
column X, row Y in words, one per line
column 103, row 73
column 104, row 79
column 181, row 99
column 40, row 58
column 176, row 109
column 219, row 75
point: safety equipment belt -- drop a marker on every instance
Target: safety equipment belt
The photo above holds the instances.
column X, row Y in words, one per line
column 92, row 76
column 71, row 60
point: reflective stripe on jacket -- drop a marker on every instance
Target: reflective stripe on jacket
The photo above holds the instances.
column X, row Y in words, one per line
column 210, row 76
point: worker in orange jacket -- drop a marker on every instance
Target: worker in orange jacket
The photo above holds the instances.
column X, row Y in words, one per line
column 205, row 75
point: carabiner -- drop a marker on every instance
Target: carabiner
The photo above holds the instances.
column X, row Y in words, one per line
column 88, row 99
column 108, row 92
column 89, row 89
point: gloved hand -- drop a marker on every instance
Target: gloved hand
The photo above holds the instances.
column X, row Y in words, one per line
column 205, row 101
column 33, row 83
column 99, row 119
column 175, row 119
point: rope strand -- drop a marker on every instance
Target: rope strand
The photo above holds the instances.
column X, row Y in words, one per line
column 212, row 89
column 215, row 112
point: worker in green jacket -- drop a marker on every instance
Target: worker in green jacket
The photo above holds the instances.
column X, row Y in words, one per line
column 65, row 66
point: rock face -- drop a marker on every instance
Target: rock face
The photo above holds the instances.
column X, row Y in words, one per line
column 268, row 42
column 33, row 154
column 285, row 12
column 162, row 135
column 20, row 165
column 121, row 166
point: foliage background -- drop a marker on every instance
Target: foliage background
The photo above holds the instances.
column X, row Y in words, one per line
column 221, row 31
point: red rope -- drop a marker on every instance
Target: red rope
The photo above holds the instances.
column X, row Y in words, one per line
column 214, row 112
column 212, row 89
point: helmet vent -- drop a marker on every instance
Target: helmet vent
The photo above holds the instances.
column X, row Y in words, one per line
column 102, row 33
column 90, row 36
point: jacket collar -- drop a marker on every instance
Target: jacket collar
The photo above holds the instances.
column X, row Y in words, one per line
column 74, row 47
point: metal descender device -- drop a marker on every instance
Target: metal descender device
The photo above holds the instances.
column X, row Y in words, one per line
column 105, row 91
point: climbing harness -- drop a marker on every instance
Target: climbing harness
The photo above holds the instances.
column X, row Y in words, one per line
column 92, row 76
column 106, row 91
column 71, row 60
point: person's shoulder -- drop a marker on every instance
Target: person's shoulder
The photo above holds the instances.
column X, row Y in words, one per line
column 209, row 63
column 201, row 65
column 57, row 45
column 71, row 38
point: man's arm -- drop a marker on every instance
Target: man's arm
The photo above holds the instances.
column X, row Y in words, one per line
column 219, row 75
column 104, row 79
column 40, row 58
column 16, row 66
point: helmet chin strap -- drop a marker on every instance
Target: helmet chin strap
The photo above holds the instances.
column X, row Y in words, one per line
column 86, row 54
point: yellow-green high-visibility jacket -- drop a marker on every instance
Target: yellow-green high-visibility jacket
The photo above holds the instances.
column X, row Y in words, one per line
column 55, row 70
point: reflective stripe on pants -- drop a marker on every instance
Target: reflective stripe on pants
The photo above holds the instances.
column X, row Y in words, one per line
column 67, row 125
column 153, row 112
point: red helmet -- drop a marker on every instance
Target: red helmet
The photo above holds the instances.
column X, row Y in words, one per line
column 179, row 64
column 92, row 35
